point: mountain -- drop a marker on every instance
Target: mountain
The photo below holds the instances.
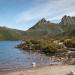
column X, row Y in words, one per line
column 42, row 29
column 68, row 32
column 43, row 22
column 10, row 34
column 67, row 20
column 46, row 29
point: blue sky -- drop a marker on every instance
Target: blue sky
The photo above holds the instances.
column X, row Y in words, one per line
column 23, row 14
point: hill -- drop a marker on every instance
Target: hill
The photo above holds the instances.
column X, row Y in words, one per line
column 10, row 34
column 46, row 29
column 42, row 29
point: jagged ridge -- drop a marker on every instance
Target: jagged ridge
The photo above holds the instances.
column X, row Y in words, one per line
column 67, row 20
column 44, row 28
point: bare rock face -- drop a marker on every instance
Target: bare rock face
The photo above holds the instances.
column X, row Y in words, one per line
column 67, row 20
column 44, row 21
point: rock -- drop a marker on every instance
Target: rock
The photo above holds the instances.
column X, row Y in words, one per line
column 67, row 20
column 34, row 64
column 71, row 73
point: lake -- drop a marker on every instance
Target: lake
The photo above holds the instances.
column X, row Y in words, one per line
column 12, row 58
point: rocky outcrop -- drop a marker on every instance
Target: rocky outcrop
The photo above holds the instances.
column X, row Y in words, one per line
column 44, row 21
column 67, row 20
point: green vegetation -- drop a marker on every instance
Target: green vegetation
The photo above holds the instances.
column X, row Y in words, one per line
column 70, row 43
column 45, row 46
column 42, row 29
column 49, row 37
column 10, row 34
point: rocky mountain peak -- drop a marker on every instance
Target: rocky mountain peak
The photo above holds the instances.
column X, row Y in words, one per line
column 67, row 20
column 44, row 21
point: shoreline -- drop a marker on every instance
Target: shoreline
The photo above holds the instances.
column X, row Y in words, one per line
column 44, row 70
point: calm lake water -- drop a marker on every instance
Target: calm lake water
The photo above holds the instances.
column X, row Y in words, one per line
column 12, row 58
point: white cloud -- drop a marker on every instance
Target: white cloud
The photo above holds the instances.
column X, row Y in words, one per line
column 10, row 26
column 51, row 9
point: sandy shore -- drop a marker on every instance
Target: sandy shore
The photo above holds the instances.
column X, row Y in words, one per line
column 48, row 70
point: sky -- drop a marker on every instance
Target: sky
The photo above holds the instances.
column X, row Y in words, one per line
column 23, row 14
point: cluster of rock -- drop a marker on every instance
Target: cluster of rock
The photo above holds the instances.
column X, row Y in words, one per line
column 44, row 21
column 67, row 20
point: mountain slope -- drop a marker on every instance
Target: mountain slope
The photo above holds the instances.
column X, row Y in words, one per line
column 44, row 28
column 10, row 34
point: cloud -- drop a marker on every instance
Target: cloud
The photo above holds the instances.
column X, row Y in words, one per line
column 50, row 9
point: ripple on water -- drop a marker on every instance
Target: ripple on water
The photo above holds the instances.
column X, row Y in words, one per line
column 12, row 58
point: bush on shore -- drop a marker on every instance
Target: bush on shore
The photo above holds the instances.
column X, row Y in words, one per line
column 45, row 46
column 70, row 43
